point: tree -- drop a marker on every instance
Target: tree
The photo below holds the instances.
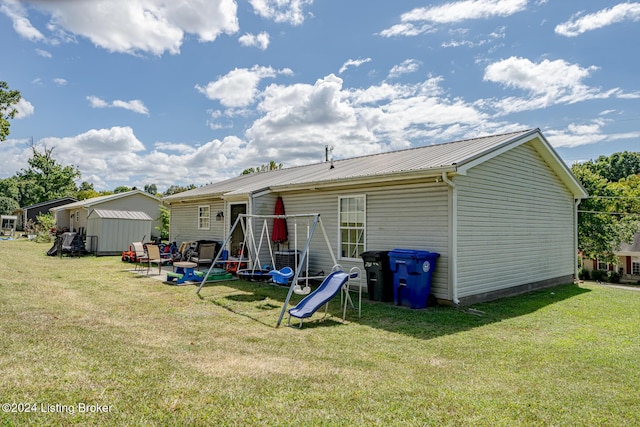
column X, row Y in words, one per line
column 46, row 179
column 272, row 166
column 175, row 189
column 164, row 222
column 608, row 217
column 8, row 100
column 151, row 189
column 122, row 189
column 86, row 191
column 8, row 205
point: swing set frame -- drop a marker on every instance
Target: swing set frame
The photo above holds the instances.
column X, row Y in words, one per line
column 253, row 249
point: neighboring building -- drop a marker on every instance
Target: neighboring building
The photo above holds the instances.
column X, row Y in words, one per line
column 31, row 212
column 628, row 264
column 500, row 210
column 73, row 216
column 629, row 260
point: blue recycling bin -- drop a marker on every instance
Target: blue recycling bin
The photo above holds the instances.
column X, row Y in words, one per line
column 412, row 270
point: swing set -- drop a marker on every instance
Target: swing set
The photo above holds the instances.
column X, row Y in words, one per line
column 251, row 249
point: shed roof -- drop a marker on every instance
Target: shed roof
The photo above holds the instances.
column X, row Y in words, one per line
column 434, row 159
column 87, row 203
column 118, row 214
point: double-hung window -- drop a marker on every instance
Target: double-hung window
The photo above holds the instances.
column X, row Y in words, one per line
column 204, row 217
column 352, row 226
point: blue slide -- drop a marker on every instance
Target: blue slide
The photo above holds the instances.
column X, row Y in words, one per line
column 327, row 290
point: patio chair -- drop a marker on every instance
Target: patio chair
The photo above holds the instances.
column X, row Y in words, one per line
column 139, row 254
column 206, row 254
column 153, row 254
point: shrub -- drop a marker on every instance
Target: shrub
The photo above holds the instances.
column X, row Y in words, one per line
column 599, row 275
column 614, row 277
column 584, row 274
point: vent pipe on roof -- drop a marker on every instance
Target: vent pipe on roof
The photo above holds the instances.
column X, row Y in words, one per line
column 327, row 149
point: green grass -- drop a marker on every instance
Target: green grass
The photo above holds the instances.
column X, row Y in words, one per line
column 86, row 331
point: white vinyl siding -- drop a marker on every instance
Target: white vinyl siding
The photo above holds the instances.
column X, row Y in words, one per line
column 409, row 215
column 515, row 224
column 184, row 223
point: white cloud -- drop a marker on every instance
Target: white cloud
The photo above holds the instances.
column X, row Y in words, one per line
column 135, row 105
column 465, row 10
column 134, row 26
column 261, row 41
column 60, row 82
column 580, row 24
column 406, row 29
column 576, row 135
column 546, row 83
column 353, row 63
column 44, row 53
column 239, row 87
column 290, row 11
column 25, row 109
column 407, row 66
column 18, row 15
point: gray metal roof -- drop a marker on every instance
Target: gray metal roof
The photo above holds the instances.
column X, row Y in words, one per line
column 118, row 214
column 87, row 203
column 430, row 159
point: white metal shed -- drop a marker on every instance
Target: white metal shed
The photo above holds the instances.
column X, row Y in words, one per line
column 114, row 230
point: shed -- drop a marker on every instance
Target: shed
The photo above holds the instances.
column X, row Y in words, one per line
column 501, row 210
column 114, row 230
column 31, row 212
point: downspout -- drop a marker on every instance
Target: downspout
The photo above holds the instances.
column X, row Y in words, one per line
column 453, row 249
column 576, row 202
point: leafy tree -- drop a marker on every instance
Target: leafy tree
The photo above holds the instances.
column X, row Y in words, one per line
column 607, row 218
column 164, row 221
column 263, row 168
column 175, row 189
column 8, row 205
column 151, row 189
column 46, row 179
column 8, row 100
column 10, row 187
column 86, row 191
column 122, row 189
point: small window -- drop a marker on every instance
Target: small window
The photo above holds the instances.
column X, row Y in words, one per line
column 603, row 266
column 635, row 267
column 77, row 216
column 352, row 216
column 204, row 217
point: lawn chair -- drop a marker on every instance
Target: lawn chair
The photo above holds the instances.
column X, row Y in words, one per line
column 153, row 256
column 206, row 254
column 139, row 254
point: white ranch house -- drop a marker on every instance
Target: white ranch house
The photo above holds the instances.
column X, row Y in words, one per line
column 500, row 210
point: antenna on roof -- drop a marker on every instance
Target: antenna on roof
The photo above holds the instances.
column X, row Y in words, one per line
column 327, row 149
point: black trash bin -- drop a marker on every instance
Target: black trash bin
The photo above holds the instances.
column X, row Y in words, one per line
column 379, row 278
column 412, row 271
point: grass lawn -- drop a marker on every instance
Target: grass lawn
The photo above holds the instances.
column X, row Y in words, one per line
column 76, row 332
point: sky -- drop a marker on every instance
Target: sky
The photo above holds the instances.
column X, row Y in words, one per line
column 180, row 92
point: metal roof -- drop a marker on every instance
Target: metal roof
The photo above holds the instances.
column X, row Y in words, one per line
column 117, row 214
column 430, row 159
column 87, row 203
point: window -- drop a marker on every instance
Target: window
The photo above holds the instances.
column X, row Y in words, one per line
column 352, row 226
column 204, row 217
column 77, row 216
column 603, row 266
column 635, row 266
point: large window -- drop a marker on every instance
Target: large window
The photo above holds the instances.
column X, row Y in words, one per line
column 352, row 226
column 204, row 217
column 635, row 266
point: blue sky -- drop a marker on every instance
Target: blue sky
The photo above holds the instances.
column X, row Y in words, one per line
column 164, row 92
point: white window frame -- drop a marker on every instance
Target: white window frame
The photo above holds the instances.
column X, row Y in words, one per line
column 350, row 226
column 602, row 266
column 635, row 266
column 204, row 218
column 77, row 216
